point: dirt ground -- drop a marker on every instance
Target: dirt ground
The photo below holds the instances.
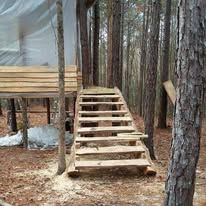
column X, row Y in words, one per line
column 27, row 177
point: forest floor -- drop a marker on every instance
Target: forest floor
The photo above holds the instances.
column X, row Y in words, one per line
column 27, row 177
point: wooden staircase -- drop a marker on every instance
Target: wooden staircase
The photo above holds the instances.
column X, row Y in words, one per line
column 105, row 135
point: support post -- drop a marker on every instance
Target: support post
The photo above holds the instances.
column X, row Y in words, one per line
column 12, row 117
column 25, row 122
column 48, row 110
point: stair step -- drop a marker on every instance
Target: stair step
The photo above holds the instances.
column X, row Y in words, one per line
column 140, row 163
column 100, row 96
column 99, row 103
column 118, row 129
column 98, row 119
column 110, row 150
column 116, row 112
column 112, row 138
column 98, row 91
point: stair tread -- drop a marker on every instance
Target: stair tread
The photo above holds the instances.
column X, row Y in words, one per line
column 100, row 103
column 141, row 163
column 110, row 150
column 113, row 119
column 112, row 138
column 103, row 112
column 105, row 129
column 102, row 96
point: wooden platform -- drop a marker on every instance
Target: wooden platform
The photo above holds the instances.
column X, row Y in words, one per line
column 36, row 81
column 104, row 127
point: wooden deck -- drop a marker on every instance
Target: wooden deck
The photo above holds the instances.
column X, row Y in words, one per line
column 104, row 127
column 36, row 81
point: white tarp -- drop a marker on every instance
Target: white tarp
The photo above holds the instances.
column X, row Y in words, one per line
column 28, row 32
column 38, row 137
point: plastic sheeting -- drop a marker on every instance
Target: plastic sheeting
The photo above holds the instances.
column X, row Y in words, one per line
column 38, row 137
column 28, row 32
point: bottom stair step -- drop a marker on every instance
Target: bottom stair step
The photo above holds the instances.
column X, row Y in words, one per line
column 110, row 150
column 140, row 163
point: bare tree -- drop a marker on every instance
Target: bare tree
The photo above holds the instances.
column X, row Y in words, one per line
column 96, row 44
column 190, row 69
column 113, row 62
column 152, row 75
column 162, row 118
column 61, row 67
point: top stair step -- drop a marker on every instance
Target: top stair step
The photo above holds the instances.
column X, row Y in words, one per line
column 99, row 103
column 98, row 91
column 100, row 96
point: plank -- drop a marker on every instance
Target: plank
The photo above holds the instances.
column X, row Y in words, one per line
column 44, row 80
column 35, row 90
column 116, row 112
column 35, row 75
column 35, row 69
column 140, row 163
column 111, row 138
column 170, row 89
column 110, row 150
column 98, row 119
column 32, row 95
column 86, row 130
column 99, row 96
column 98, row 90
column 35, row 84
column 99, row 103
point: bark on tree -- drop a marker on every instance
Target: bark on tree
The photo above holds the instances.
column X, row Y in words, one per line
column 121, row 44
column 191, row 72
column 96, row 44
column 162, row 117
column 85, row 49
column 1, row 113
column 150, row 95
column 12, row 117
column 143, row 55
column 113, row 62
column 25, row 122
column 61, row 68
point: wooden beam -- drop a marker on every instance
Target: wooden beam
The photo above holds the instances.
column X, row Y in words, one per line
column 170, row 89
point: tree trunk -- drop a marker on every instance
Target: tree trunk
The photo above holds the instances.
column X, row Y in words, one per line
column 121, row 44
column 143, row 56
column 113, row 63
column 150, row 95
column 48, row 110
column 96, row 44
column 12, row 117
column 162, row 118
column 1, row 113
column 188, row 109
column 85, row 49
column 25, row 122
column 61, row 67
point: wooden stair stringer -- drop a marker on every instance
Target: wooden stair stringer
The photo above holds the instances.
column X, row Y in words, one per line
column 86, row 134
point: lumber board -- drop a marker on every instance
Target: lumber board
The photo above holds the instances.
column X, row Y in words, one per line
column 171, row 92
column 35, row 84
column 140, row 163
column 35, row 75
column 111, row 138
column 35, row 69
column 98, row 91
column 115, row 112
column 35, row 90
column 98, row 119
column 99, row 103
column 86, row 130
column 110, row 150
column 43, row 80
column 99, row 96
column 35, row 95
